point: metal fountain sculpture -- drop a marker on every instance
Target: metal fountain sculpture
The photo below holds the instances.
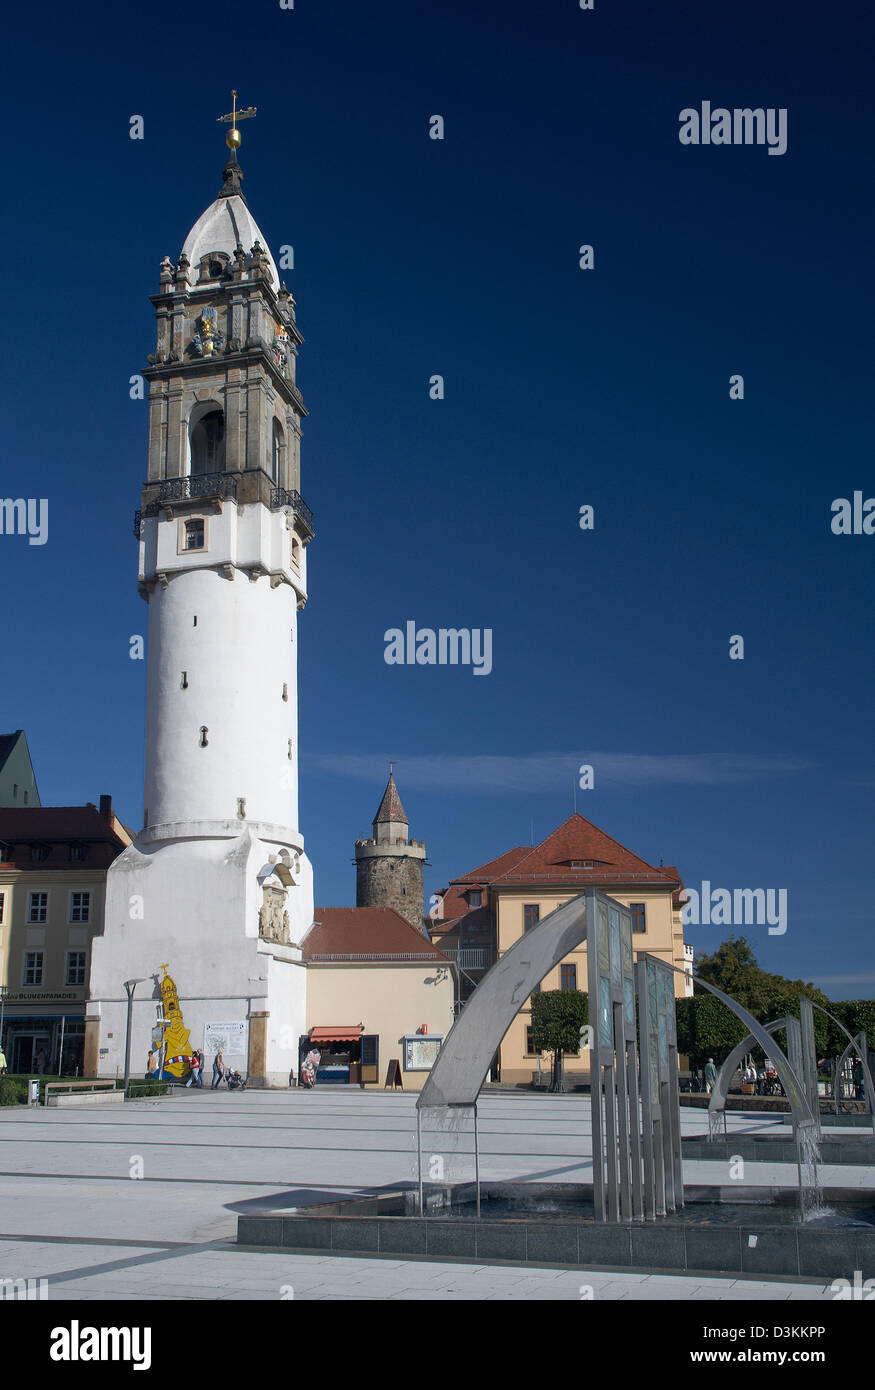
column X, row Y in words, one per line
column 636, row 1138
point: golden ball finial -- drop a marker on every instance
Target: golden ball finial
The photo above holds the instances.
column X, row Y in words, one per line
column 232, row 139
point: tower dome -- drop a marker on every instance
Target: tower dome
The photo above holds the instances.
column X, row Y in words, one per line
column 226, row 224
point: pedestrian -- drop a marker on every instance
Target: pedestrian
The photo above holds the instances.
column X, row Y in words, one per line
column 151, row 1065
column 859, row 1081
column 218, row 1069
column 200, row 1072
column 710, row 1075
column 194, row 1068
column 2, row 1062
column 40, row 1061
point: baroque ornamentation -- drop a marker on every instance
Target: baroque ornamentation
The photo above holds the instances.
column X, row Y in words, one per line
column 273, row 920
column 207, row 339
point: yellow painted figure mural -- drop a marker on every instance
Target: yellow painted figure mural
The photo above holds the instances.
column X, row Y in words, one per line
column 176, row 1035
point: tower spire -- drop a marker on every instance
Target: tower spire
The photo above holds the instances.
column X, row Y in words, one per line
column 232, row 174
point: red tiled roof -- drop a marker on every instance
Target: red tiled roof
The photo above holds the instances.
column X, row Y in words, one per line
column 390, row 807
column 366, row 931
column 550, row 861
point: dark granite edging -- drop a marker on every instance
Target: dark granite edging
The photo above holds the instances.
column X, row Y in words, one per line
column 747, row 1249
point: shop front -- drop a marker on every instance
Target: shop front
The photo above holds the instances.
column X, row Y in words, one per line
column 347, row 1055
column 43, row 1044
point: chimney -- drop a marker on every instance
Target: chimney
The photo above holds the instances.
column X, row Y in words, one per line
column 106, row 807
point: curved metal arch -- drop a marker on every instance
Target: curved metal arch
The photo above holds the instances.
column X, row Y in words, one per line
column 720, row 1094
column 471, row 1044
column 861, row 1053
column 463, row 1061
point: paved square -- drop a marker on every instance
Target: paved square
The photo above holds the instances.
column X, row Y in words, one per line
column 71, row 1211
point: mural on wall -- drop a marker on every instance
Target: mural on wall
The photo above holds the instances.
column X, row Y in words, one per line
column 176, row 1035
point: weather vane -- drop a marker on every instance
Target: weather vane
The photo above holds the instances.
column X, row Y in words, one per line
column 232, row 139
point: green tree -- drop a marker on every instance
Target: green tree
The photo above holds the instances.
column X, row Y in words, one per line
column 858, row 1016
column 557, row 1018
column 715, row 1028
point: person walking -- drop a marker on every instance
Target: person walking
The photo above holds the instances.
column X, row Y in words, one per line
column 218, row 1069
column 2, row 1062
column 151, row 1065
column 710, row 1075
column 200, row 1072
column 194, row 1068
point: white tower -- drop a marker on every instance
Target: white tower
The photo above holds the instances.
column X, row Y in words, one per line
column 217, row 883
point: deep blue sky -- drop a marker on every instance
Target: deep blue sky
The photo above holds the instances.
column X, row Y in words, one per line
column 563, row 387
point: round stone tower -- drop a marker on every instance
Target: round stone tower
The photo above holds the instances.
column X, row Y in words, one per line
column 389, row 868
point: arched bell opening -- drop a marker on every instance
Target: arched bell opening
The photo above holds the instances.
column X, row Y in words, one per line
column 207, row 439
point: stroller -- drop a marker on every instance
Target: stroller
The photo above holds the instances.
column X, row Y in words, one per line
column 234, row 1079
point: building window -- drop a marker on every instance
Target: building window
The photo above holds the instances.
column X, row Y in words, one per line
column 38, row 909
column 475, row 898
column 568, row 977
column 15, row 790
column 80, row 907
column 38, row 853
column 75, row 967
column 582, row 864
column 33, row 967
column 637, row 911
column 25, row 798
column 276, row 458
column 531, row 916
column 194, row 534
column 208, row 444
column 531, row 1050
column 77, row 853
column 2, row 902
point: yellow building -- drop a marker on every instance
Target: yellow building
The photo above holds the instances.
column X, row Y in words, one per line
column 53, row 863
column 378, row 991
column 485, row 911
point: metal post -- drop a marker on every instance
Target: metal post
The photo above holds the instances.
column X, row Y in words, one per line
column 477, row 1159
column 3, row 989
column 130, row 986
column 61, row 1044
column 419, row 1157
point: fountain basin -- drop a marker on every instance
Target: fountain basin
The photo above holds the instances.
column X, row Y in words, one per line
column 536, row 1223
column 778, row 1148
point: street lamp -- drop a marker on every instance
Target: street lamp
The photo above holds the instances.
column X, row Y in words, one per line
column 130, row 986
column 162, row 1023
column 3, row 992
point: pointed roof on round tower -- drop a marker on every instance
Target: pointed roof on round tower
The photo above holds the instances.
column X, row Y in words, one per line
column 390, row 808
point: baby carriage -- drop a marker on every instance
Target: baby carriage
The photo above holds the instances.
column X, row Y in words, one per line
column 234, row 1079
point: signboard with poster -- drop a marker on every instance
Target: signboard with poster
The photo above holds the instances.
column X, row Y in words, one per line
column 228, row 1038
column 420, row 1051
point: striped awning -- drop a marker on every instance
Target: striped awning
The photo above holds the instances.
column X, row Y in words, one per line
column 350, row 1034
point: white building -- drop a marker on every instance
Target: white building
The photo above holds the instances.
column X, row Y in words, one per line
column 217, row 884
